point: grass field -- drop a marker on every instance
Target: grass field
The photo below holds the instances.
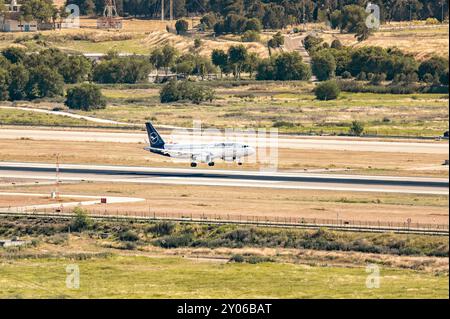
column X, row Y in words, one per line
column 253, row 106
column 382, row 114
column 143, row 277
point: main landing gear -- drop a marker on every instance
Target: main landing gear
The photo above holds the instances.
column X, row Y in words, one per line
column 193, row 164
column 211, row 164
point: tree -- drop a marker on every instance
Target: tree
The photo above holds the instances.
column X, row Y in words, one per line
column 44, row 82
column 435, row 66
column 251, row 63
column 323, row 65
column 132, row 69
column 4, row 85
column 276, row 41
column 170, row 92
column 209, row 20
column 164, row 58
column 182, row 26
column 362, row 32
column 253, row 24
column 14, row 54
column 289, row 66
column 41, row 10
column 311, row 43
column 220, row 59
column 336, row 44
column 237, row 55
column 85, row 97
column 328, row 90
column 75, row 69
column 351, row 17
column 356, row 128
column 18, row 81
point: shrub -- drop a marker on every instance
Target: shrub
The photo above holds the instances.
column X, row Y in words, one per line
column 346, row 75
column 378, row 78
column 197, row 43
column 250, row 36
column 328, row 90
column 276, row 41
column 162, row 228
column 85, row 97
column 174, row 241
column 181, row 26
column 336, row 44
column 356, row 128
column 185, row 90
column 81, row 221
column 237, row 259
column 362, row 76
column 431, row 21
column 128, row 235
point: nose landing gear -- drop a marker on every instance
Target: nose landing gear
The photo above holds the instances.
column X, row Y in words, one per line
column 211, row 164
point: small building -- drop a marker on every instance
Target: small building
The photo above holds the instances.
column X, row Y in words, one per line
column 11, row 19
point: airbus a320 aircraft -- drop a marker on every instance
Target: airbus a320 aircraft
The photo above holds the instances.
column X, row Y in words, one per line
column 203, row 153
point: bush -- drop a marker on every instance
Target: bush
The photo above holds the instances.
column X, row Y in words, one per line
column 346, row 75
column 356, row 128
column 336, row 44
column 185, row 90
column 128, row 235
column 284, row 67
column 378, row 78
column 85, row 97
column 431, row 21
column 237, row 259
column 250, row 36
column 81, row 221
column 197, row 43
column 328, row 90
column 277, row 41
column 131, row 69
column 174, row 241
column 182, row 26
column 162, row 228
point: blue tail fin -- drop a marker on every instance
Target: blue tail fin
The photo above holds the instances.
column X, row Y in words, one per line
column 154, row 138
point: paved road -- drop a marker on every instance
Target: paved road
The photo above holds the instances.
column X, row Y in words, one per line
column 304, row 142
column 276, row 180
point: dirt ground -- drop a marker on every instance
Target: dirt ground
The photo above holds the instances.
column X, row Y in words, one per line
column 235, row 202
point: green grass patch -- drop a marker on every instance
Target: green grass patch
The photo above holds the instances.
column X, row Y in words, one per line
column 174, row 277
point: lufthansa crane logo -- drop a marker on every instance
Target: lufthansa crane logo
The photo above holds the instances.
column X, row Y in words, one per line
column 154, row 138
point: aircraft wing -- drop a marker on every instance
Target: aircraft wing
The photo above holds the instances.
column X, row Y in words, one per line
column 196, row 155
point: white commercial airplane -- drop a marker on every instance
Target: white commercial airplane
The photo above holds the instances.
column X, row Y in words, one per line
column 203, row 153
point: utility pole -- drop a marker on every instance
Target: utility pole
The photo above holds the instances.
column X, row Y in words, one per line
column 162, row 10
column 171, row 10
column 57, row 177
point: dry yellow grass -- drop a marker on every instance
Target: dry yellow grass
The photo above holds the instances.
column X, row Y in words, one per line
column 422, row 43
column 235, row 202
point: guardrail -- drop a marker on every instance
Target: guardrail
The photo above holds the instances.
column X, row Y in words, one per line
column 258, row 221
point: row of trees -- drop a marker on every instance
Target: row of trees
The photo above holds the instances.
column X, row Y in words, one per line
column 39, row 75
column 274, row 11
column 375, row 64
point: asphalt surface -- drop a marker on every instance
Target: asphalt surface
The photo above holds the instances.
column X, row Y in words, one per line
column 211, row 177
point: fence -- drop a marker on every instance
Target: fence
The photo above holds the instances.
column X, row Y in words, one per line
column 263, row 221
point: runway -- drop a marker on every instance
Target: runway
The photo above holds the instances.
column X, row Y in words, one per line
column 283, row 141
column 211, row 177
